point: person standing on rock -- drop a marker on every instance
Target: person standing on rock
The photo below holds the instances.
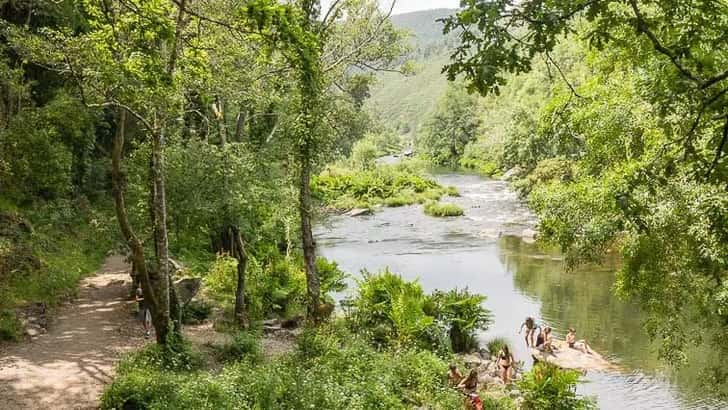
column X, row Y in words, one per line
column 531, row 326
column 505, row 362
column 145, row 315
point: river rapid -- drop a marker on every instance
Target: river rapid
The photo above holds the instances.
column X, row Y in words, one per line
column 485, row 252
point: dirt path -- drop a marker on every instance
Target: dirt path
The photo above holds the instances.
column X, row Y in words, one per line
column 68, row 367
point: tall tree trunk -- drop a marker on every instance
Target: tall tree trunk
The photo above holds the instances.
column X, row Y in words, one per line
column 230, row 240
column 240, row 125
column 239, row 252
column 139, row 261
column 309, row 246
column 161, row 278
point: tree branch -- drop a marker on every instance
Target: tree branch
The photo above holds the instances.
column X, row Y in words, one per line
column 642, row 27
column 563, row 76
column 369, row 39
column 719, row 149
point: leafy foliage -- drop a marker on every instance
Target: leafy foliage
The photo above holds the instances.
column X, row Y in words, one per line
column 452, row 126
column 342, row 371
column 548, row 387
column 393, row 185
column 395, row 312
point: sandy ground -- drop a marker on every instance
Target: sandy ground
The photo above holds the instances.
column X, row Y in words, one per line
column 69, row 366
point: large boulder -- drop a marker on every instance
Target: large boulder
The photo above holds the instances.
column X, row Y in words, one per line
column 187, row 288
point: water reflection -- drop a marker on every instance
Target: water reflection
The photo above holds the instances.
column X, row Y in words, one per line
column 583, row 298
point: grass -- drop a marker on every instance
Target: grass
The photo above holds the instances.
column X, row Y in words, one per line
column 331, row 368
column 495, row 345
column 452, row 191
column 438, row 209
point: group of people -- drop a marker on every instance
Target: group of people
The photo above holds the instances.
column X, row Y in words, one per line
column 468, row 385
column 544, row 339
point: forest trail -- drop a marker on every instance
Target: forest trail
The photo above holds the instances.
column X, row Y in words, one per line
column 69, row 366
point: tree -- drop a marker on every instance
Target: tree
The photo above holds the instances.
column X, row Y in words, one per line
column 646, row 135
column 453, row 126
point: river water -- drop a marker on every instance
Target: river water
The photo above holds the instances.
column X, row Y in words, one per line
column 484, row 252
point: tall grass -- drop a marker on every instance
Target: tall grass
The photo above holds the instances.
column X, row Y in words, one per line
column 442, row 209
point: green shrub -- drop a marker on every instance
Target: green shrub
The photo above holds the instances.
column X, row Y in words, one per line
column 395, row 312
column 244, row 345
column 275, row 287
column 393, row 185
column 462, row 314
column 331, row 369
column 497, row 403
column 196, row 311
column 548, row 387
column 441, row 210
column 176, row 355
column 9, row 326
column 452, row 191
column 402, row 199
column 495, row 345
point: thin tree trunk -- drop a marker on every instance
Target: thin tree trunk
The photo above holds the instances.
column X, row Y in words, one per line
column 220, row 115
column 242, row 257
column 309, row 246
column 240, row 125
column 161, row 244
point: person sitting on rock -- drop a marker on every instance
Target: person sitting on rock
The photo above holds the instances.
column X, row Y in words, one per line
column 576, row 344
column 505, row 361
column 544, row 340
column 469, row 385
column 454, row 377
column 531, row 326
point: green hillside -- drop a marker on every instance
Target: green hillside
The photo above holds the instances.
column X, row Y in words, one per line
column 404, row 102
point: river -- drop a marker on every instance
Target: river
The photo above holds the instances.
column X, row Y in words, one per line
column 484, row 252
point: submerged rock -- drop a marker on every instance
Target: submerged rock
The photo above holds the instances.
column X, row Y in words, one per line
column 359, row 212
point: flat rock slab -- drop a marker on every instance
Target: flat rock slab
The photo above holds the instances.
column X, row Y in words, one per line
column 567, row 358
column 69, row 366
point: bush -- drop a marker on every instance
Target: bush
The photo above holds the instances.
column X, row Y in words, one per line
column 461, row 313
column 452, row 191
column 9, row 326
column 495, row 345
column 196, row 311
column 395, row 312
column 276, row 287
column 176, row 355
column 332, row 369
column 548, row 387
column 394, row 185
column 442, row 210
column 244, row 345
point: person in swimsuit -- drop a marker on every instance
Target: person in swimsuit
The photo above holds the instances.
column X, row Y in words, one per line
column 531, row 326
column 539, row 339
column 544, row 340
column 505, row 361
column 576, row 344
column 469, row 387
column 454, row 377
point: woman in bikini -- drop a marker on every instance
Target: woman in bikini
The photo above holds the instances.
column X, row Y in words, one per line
column 505, row 361
column 469, row 387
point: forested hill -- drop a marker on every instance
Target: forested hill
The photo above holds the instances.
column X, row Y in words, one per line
column 404, row 102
